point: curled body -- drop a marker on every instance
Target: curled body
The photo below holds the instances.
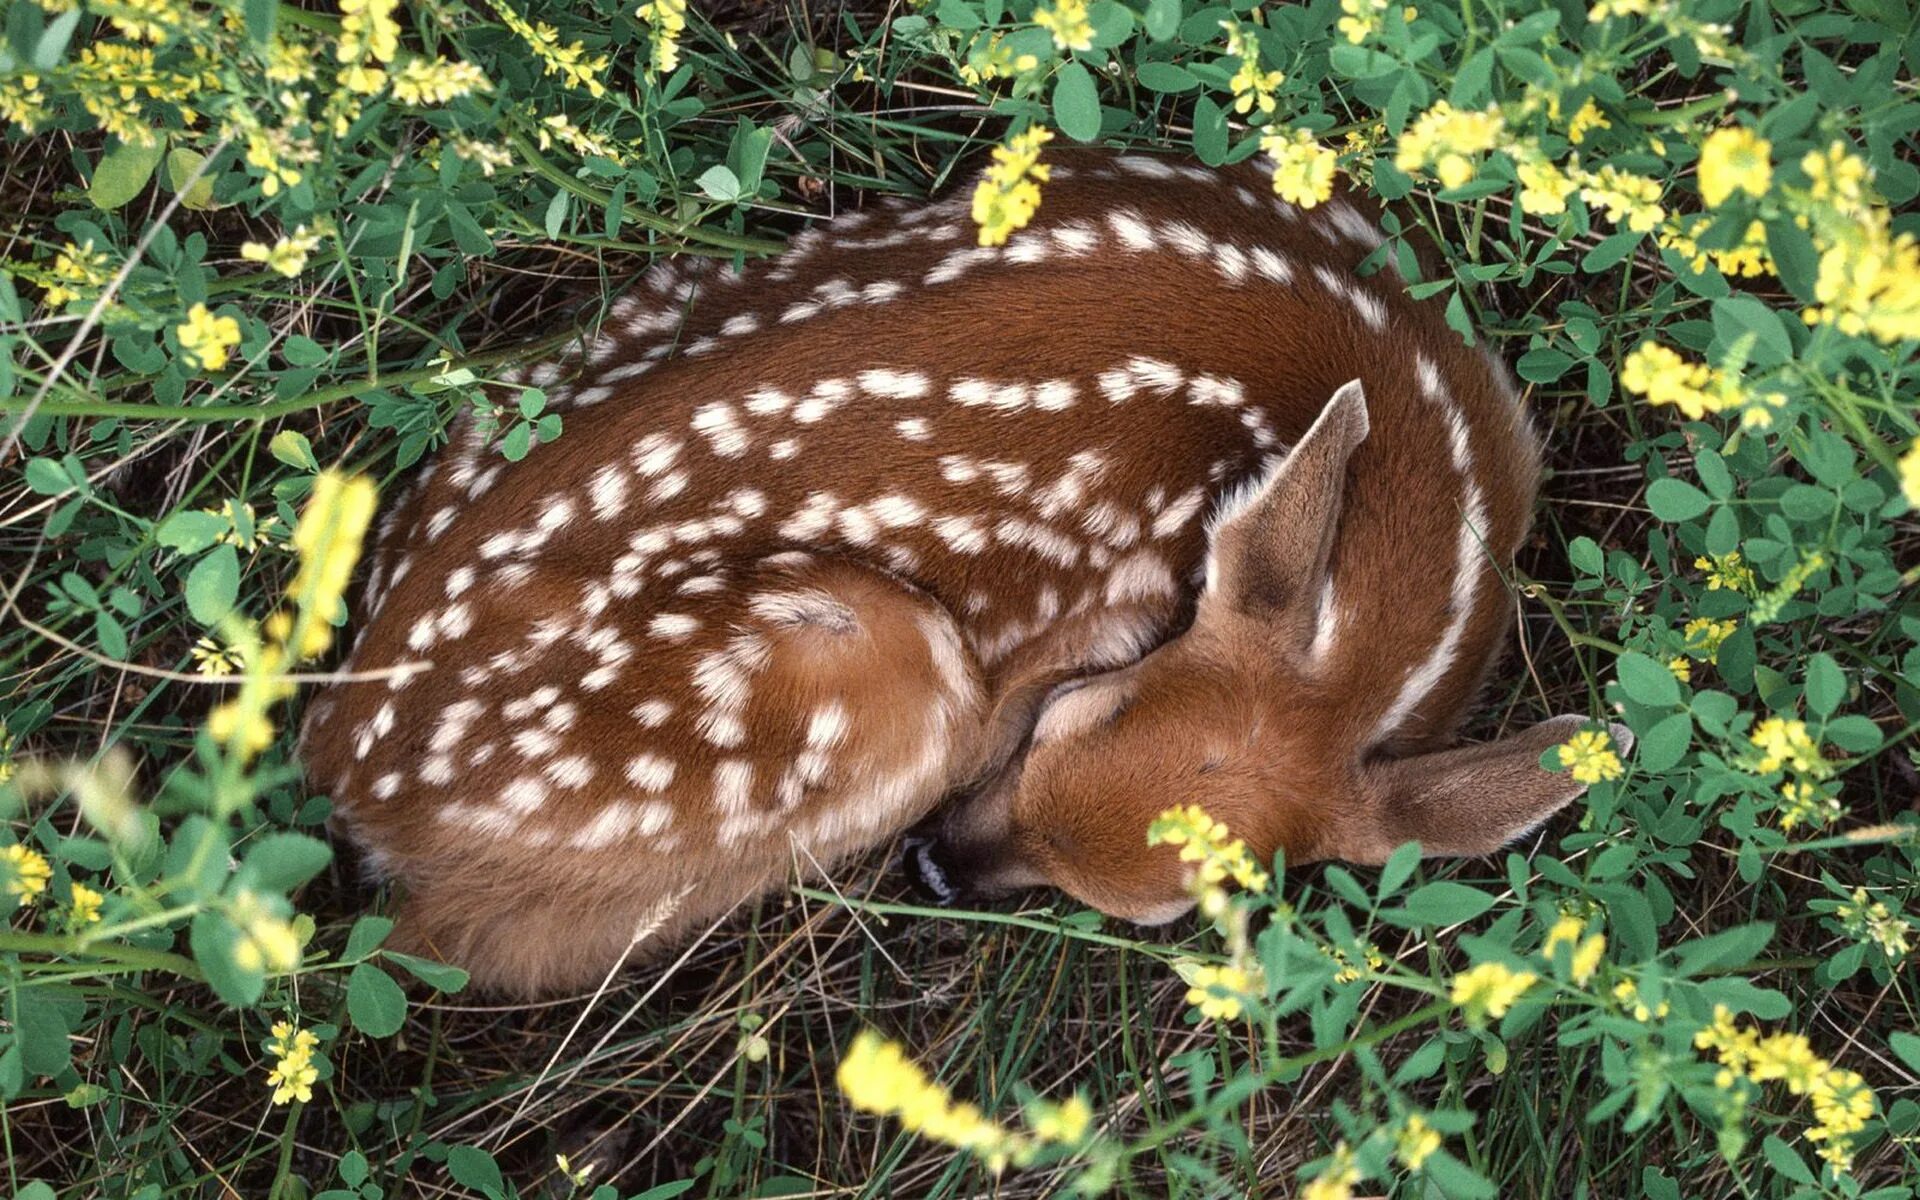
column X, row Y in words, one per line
column 1160, row 502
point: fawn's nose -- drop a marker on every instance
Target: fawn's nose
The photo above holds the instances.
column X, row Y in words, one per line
column 929, row 870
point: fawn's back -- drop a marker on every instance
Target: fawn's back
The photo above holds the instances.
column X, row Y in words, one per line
column 822, row 539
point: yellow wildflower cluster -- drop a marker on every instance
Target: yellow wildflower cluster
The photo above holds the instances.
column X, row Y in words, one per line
column 1767, row 608
column 1705, row 635
column 1361, row 19
column 368, row 36
column 1728, row 572
column 83, row 907
column 1335, row 1180
column 1302, row 168
column 1068, row 22
column 1749, row 259
column 558, row 128
column 1910, row 474
column 156, row 21
column 278, row 153
column 876, row 1076
column 485, row 155
column 1626, row 199
column 1872, row 921
column 1837, row 178
column 1587, row 950
column 22, row 102
column 1662, row 376
column 668, row 20
column 1351, row 970
column 1869, row 280
column 327, row 541
column 1252, row 87
column 1626, row 994
column 424, row 81
column 1782, row 743
column 110, row 78
column 1415, row 1142
column 78, row 273
column 27, row 873
column 1447, row 140
column 991, row 58
column 571, row 62
column 1220, row 992
column 1205, row 842
column 293, row 1074
column 215, row 660
column 268, row 941
column 1590, row 758
column 1734, row 160
column 288, row 255
column 1804, row 802
column 1586, row 118
column 207, row 340
column 1009, row 190
column 1841, row 1100
column 1489, row 990
column 1544, row 187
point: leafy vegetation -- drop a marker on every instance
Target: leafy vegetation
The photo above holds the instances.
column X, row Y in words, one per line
column 257, row 250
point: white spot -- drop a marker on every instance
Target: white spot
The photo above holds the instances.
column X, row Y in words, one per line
column 652, row 714
column 733, row 786
column 673, row 627
column 650, row 772
column 608, row 492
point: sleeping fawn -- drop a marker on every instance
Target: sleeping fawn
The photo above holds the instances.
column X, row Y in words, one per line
column 1158, row 503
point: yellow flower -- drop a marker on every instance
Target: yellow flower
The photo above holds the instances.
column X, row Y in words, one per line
column 1589, row 117
column 293, row 1074
column 328, row 538
column 1252, row 87
column 1663, row 377
column 1837, row 177
column 1207, row 843
column 244, row 733
column 1302, row 168
column 368, row 30
column 1726, row 571
column 207, row 340
column 1627, row 995
column 1788, row 1057
column 1682, row 668
column 1490, row 989
column 668, row 19
column 1629, row 199
column 877, row 1077
column 1784, row 743
column 424, row 81
column 1009, row 190
column 1734, row 159
column 1544, row 187
column 1067, row 21
column 288, row 255
column 1875, row 923
column 1731, row 1044
column 1589, row 757
column 1910, row 474
column 1446, row 140
column 84, row 909
column 27, row 873
column 1805, row 802
column 1066, row 1123
column 269, row 942
column 1415, row 1142
column 1220, row 993
column 1336, row 1179
column 1619, row 8
column 1869, row 279
column 991, row 59
column 79, row 272
column 1842, row 1104
column 575, row 67
column 1587, row 950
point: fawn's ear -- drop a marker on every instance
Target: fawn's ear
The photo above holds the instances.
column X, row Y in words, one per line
column 1268, row 548
column 1467, row 801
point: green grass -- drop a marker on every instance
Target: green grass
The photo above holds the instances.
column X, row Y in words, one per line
column 132, row 1052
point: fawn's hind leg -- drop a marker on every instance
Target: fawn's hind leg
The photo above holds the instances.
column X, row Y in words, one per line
column 653, row 767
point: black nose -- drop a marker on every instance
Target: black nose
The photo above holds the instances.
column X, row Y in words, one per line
column 930, row 876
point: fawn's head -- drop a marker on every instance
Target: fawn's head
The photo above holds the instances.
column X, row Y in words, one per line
column 1238, row 716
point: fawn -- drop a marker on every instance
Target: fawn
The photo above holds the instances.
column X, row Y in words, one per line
column 1159, row 503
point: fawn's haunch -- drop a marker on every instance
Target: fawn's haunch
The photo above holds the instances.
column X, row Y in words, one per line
column 1159, row 503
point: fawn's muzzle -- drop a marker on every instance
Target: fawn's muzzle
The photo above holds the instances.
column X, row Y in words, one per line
column 931, row 876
